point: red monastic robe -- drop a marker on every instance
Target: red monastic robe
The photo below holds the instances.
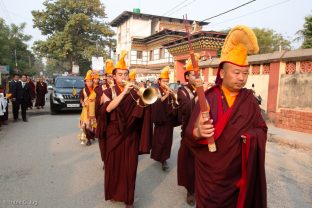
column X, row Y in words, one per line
column 128, row 133
column 99, row 133
column 234, row 175
column 186, row 167
column 163, row 117
column 32, row 93
column 41, row 90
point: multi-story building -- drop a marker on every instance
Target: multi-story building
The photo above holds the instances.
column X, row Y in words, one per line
column 143, row 36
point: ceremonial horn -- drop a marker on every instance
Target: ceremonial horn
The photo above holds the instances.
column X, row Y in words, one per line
column 148, row 95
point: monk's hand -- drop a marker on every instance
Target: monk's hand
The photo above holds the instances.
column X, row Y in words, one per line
column 128, row 87
column 204, row 129
column 244, row 138
column 164, row 97
column 198, row 82
column 86, row 103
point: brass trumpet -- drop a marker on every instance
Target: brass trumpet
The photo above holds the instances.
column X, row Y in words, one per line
column 149, row 95
column 173, row 94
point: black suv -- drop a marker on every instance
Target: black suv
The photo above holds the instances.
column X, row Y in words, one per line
column 65, row 94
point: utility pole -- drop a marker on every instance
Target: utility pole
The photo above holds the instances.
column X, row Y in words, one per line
column 15, row 57
column 29, row 62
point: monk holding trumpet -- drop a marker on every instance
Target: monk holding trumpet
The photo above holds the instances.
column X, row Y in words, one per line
column 128, row 129
column 163, row 116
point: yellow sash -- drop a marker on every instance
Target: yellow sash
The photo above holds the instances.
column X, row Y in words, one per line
column 87, row 116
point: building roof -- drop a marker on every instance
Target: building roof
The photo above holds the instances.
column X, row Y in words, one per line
column 127, row 14
column 158, row 36
column 298, row 55
column 212, row 34
column 202, row 40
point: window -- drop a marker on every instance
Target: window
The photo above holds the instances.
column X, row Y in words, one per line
column 161, row 53
column 151, row 55
column 139, row 54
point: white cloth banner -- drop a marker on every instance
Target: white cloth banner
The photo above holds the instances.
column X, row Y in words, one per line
column 97, row 63
column 75, row 69
column 3, row 104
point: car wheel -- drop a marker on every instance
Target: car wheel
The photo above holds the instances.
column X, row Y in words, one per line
column 53, row 111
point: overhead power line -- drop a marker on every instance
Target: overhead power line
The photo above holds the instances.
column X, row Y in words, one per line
column 229, row 10
column 183, row 6
column 173, row 8
column 250, row 13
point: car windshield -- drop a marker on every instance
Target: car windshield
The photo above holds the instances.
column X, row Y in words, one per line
column 174, row 86
column 69, row 83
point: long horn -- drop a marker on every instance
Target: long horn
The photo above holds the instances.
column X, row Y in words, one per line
column 148, row 95
column 174, row 94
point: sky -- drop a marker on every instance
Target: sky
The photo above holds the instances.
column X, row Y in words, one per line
column 283, row 16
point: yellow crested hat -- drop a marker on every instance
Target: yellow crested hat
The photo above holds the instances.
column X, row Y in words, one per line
column 240, row 42
column 189, row 64
column 121, row 64
column 164, row 74
column 88, row 75
column 95, row 75
column 132, row 75
column 109, row 66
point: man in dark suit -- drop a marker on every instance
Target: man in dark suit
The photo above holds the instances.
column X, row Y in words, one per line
column 15, row 88
column 20, row 95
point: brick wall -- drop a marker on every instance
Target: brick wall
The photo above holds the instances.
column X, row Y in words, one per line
column 294, row 120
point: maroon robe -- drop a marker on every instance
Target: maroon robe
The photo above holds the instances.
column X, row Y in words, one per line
column 127, row 130
column 234, row 175
column 41, row 90
column 89, row 134
column 162, row 116
column 100, row 125
column 32, row 93
column 186, row 167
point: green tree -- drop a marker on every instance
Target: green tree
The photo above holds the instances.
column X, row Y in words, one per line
column 5, row 48
column 76, row 31
column 305, row 34
column 13, row 48
column 270, row 41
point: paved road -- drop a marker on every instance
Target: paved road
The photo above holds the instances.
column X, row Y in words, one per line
column 44, row 164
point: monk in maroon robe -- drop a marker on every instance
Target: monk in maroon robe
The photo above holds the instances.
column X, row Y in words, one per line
column 186, row 167
column 163, row 114
column 99, row 129
column 128, row 128
column 99, row 90
column 233, row 175
column 41, row 90
column 32, row 92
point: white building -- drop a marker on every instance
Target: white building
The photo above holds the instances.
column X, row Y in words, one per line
column 143, row 35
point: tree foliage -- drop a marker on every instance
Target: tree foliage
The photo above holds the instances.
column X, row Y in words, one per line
column 305, row 34
column 75, row 31
column 270, row 41
column 13, row 48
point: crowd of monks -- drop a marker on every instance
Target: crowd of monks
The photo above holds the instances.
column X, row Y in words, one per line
column 126, row 126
